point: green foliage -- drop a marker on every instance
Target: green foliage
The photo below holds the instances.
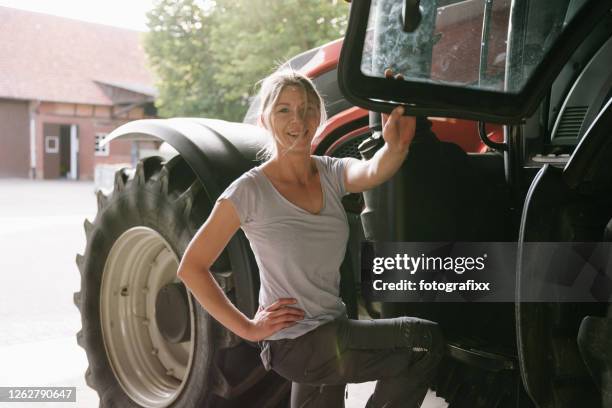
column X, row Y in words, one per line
column 209, row 57
column 179, row 51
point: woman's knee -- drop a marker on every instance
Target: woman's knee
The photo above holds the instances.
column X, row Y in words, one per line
column 424, row 336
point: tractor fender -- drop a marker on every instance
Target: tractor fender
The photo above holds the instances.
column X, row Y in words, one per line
column 218, row 152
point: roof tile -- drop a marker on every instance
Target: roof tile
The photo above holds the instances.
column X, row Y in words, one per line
column 44, row 57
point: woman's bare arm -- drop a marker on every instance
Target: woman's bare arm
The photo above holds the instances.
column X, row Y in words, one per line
column 194, row 270
column 398, row 132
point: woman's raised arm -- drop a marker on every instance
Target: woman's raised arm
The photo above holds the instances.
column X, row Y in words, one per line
column 194, row 270
column 398, row 133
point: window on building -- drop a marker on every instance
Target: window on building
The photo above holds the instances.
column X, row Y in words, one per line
column 51, row 144
column 101, row 150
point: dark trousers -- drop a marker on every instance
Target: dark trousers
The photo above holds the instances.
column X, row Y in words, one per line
column 401, row 353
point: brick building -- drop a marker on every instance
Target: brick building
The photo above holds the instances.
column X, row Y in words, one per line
column 64, row 84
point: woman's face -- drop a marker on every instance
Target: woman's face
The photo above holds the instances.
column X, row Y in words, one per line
column 294, row 119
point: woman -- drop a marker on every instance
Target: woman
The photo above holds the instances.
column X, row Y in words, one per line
column 290, row 210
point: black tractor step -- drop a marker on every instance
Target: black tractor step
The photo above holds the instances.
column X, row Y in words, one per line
column 489, row 361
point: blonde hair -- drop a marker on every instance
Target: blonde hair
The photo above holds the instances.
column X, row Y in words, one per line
column 271, row 88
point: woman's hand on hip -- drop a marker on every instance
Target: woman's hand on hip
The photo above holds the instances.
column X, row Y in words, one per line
column 273, row 318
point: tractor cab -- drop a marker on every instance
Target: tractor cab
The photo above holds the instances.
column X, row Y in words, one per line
column 542, row 71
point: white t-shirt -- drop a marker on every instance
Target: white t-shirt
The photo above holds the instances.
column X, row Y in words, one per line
column 298, row 253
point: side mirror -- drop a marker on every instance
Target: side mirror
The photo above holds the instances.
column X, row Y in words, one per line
column 411, row 15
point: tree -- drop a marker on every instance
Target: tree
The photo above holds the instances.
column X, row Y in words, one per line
column 209, row 58
column 178, row 48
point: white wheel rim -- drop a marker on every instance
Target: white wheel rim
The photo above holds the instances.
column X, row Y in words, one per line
column 151, row 371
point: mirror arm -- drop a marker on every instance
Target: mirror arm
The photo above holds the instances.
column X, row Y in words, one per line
column 411, row 15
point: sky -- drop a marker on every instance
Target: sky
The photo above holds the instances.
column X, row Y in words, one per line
column 119, row 13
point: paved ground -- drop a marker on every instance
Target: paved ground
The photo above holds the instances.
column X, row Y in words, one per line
column 41, row 231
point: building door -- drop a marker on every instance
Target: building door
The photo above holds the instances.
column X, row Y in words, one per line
column 61, row 151
column 51, row 157
column 64, row 152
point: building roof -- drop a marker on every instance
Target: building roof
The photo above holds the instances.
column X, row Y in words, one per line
column 49, row 58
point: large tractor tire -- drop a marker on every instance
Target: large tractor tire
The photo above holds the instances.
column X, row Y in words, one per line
column 148, row 341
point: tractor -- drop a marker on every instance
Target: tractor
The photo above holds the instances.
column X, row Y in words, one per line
column 514, row 108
